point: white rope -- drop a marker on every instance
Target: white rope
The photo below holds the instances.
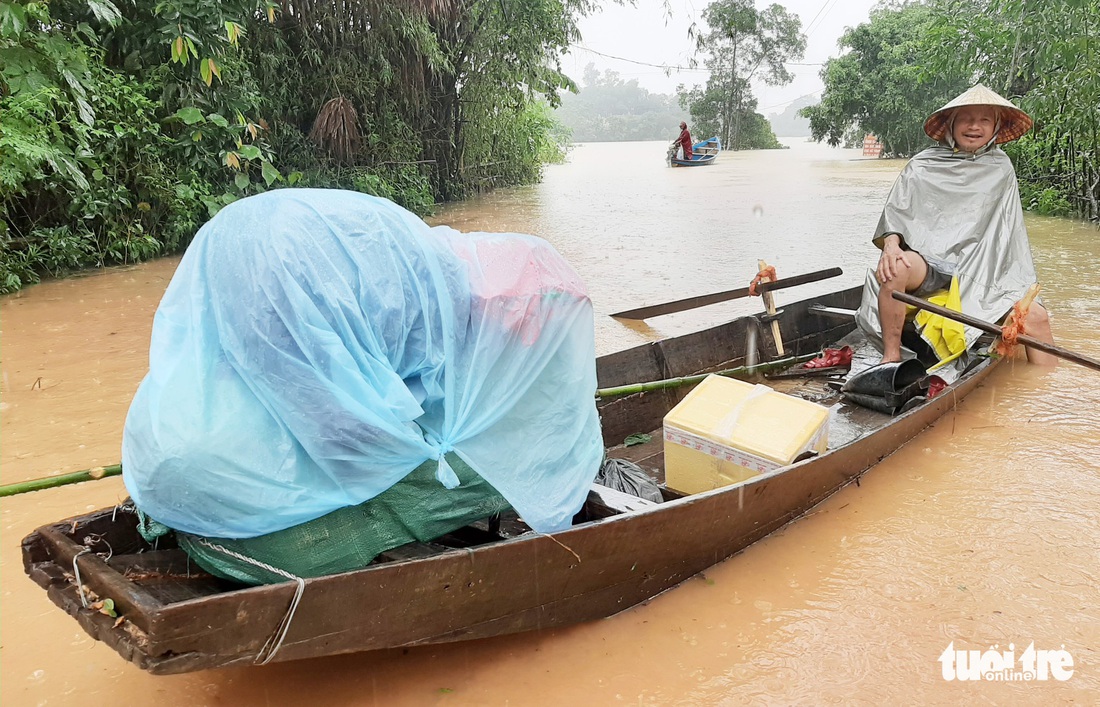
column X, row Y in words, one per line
column 94, row 538
column 125, row 507
column 281, row 630
column 76, row 573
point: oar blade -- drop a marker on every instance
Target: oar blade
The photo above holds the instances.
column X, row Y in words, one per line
column 657, row 310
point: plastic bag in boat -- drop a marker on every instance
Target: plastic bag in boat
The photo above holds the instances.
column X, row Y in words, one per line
column 628, row 477
column 316, row 346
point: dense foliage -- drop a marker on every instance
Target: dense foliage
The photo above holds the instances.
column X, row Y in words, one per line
column 911, row 58
column 125, row 125
column 608, row 109
column 742, row 44
column 1046, row 56
column 882, row 84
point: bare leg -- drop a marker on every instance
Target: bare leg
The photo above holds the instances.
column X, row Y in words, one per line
column 1037, row 326
column 891, row 312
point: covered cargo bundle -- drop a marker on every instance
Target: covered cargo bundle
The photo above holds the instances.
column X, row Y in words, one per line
column 315, row 347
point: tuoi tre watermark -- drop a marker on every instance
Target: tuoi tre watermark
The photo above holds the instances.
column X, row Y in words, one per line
column 1004, row 666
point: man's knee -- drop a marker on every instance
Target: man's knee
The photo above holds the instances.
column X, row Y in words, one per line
column 917, row 270
column 1037, row 317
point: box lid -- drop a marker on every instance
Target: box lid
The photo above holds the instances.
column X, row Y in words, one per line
column 752, row 418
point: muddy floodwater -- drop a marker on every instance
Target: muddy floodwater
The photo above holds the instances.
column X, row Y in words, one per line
column 982, row 532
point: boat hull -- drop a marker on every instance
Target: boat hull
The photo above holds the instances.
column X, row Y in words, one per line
column 701, row 162
column 703, row 153
column 529, row 582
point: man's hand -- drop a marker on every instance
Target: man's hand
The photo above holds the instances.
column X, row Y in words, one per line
column 892, row 261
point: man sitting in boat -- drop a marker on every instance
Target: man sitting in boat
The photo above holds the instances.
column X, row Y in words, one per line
column 331, row 378
column 684, row 153
column 953, row 227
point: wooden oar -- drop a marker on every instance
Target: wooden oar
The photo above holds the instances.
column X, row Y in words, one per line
column 688, row 380
column 994, row 329
column 657, row 310
column 49, row 482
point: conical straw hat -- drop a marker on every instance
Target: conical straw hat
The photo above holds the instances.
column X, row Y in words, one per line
column 1014, row 122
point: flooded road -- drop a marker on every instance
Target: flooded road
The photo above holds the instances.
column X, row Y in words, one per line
column 981, row 532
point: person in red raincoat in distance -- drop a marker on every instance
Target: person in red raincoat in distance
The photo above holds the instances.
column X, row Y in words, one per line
column 685, row 142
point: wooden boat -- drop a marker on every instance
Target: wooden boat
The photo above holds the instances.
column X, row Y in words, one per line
column 499, row 577
column 702, row 153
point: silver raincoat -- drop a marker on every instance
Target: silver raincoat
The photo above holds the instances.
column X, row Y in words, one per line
column 961, row 212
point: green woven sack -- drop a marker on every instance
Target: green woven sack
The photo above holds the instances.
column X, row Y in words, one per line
column 417, row 508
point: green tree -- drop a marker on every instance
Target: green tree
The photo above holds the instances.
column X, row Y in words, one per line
column 742, row 44
column 346, row 95
column 125, row 125
column 82, row 173
column 1046, row 57
column 499, row 57
column 884, row 83
column 413, row 92
column 208, row 101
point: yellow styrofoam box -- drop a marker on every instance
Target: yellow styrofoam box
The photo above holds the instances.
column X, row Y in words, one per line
column 726, row 431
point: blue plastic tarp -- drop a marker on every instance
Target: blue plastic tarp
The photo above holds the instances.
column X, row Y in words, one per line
column 315, row 346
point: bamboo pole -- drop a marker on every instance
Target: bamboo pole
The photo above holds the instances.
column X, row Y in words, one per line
column 102, row 472
column 49, row 482
column 688, row 380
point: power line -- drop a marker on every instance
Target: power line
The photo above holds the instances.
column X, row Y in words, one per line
column 640, row 63
column 826, row 8
column 666, row 67
column 785, row 103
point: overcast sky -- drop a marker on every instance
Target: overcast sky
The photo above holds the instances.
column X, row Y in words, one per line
column 648, row 35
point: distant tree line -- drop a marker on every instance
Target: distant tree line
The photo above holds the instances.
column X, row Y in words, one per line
column 790, row 122
column 607, row 108
column 913, row 57
column 738, row 44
